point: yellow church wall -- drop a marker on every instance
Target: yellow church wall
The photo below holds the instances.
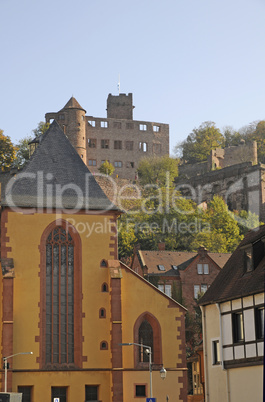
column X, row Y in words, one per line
column 75, row 381
column 24, row 232
column 161, row 388
column 142, row 298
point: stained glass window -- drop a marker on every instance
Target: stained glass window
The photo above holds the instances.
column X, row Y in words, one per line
column 59, row 297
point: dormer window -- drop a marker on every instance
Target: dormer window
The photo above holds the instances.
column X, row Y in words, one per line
column 161, row 267
column 248, row 257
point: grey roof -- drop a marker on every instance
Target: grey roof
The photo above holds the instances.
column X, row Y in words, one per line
column 56, row 177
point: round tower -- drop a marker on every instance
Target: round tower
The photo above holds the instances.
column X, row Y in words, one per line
column 71, row 119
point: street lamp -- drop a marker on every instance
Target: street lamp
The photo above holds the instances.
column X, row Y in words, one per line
column 163, row 371
column 5, row 364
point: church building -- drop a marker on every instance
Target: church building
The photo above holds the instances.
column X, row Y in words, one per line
column 67, row 298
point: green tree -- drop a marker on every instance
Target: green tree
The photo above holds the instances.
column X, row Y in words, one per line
column 41, row 128
column 200, row 142
column 107, row 168
column 7, row 152
column 222, row 233
column 23, row 154
column 157, row 170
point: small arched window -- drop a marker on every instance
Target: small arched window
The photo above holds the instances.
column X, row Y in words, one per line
column 102, row 313
column 104, row 287
column 104, row 345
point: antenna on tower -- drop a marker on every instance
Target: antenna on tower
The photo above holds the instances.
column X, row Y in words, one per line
column 119, row 85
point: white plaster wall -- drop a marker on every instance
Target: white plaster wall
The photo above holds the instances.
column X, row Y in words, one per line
column 225, row 307
column 259, row 298
column 227, row 329
column 249, row 325
column 248, row 301
column 236, row 304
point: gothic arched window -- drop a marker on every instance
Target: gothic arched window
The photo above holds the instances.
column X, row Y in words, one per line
column 145, row 338
column 59, row 297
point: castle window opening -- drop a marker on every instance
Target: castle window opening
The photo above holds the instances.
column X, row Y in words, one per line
column 157, row 148
column 61, row 116
column 117, row 144
column 104, row 124
column 142, row 127
column 156, row 129
column 129, row 126
column 118, row 164
column 117, row 124
column 143, row 146
column 105, row 144
column 92, row 162
column 129, row 145
column 130, row 164
column 92, row 143
column 104, row 160
column 92, row 123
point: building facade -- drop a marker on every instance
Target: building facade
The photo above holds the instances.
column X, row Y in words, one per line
column 66, row 298
column 233, row 325
column 116, row 138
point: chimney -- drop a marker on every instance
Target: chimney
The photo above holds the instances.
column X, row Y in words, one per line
column 202, row 251
column 161, row 246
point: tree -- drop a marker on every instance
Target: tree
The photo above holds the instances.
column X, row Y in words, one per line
column 41, row 128
column 222, row 233
column 7, row 152
column 200, row 142
column 158, row 170
column 23, row 154
column 106, row 168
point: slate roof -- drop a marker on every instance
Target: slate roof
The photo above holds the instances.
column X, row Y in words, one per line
column 151, row 259
column 73, row 104
column 233, row 281
column 56, row 177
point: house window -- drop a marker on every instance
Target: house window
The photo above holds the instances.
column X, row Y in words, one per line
column 129, row 145
column 199, row 269
column 92, row 123
column 92, row 162
column 216, row 352
column 117, row 124
column 92, row 143
column 105, row 144
column 129, row 126
column 118, row 164
column 143, row 146
column 142, row 127
column 203, row 269
column 203, row 288
column 91, row 393
column 157, row 148
column 117, row 144
column 130, row 164
column 156, row 129
column 104, row 124
column 248, row 260
column 196, row 291
column 59, row 297
column 140, row 390
column 259, row 318
column 60, row 393
column 26, row 393
column 166, row 289
column 238, row 327
column 145, row 338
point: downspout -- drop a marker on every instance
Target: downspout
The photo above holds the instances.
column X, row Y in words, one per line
column 221, row 354
column 205, row 355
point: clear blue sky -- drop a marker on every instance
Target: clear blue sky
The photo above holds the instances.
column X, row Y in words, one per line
column 185, row 61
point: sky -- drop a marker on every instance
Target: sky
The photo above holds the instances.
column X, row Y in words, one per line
column 185, row 61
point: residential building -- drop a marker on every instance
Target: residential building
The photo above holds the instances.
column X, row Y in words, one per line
column 183, row 275
column 233, row 325
column 66, row 297
column 116, row 138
